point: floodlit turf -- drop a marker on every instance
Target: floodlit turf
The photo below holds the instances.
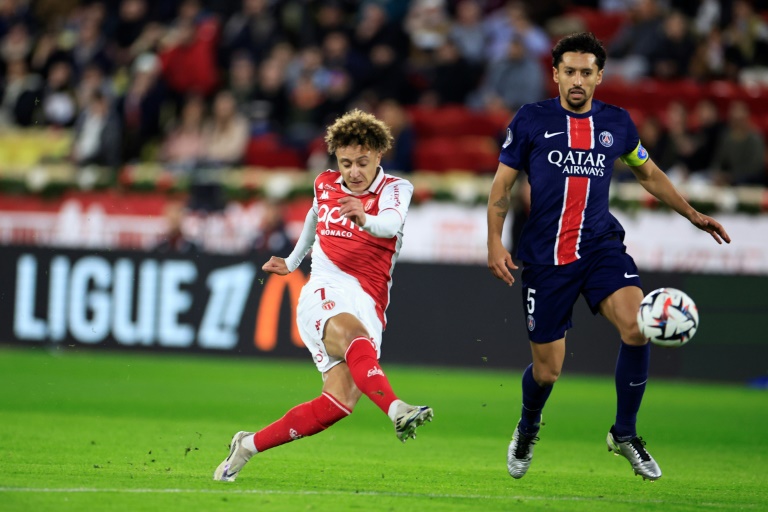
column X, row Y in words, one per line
column 82, row 431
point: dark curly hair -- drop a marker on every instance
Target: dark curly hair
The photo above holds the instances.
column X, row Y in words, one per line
column 358, row 128
column 582, row 42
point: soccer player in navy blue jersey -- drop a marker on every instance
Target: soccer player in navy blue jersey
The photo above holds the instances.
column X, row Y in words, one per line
column 572, row 245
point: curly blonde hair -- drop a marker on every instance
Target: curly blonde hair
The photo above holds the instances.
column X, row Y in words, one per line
column 358, row 128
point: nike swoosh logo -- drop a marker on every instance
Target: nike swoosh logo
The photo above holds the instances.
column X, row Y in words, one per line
column 548, row 135
column 630, row 275
column 634, row 385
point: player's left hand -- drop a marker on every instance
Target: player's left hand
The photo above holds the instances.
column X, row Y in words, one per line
column 352, row 208
column 711, row 226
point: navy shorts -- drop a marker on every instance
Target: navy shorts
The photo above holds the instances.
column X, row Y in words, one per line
column 551, row 291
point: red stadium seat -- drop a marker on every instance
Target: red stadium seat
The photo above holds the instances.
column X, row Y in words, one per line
column 267, row 151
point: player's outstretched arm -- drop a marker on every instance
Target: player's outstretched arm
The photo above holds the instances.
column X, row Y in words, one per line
column 657, row 183
column 499, row 260
column 276, row 265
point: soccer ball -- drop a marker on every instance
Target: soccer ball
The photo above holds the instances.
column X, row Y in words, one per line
column 668, row 317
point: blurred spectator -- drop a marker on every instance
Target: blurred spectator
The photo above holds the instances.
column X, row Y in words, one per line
column 17, row 43
column 400, row 157
column 271, row 236
column 740, row 155
column 226, row 134
column 97, row 135
column 14, row 12
column 20, row 93
column 338, row 55
column 253, row 29
column 453, row 77
column 706, row 135
column 89, row 49
column 175, row 240
column 427, row 24
column 467, row 31
column 132, row 18
column 183, row 147
column 708, row 60
column 92, row 79
column 270, row 99
column 188, row 52
column 512, row 22
column 515, row 80
column 637, row 40
column 676, row 145
column 141, row 106
column 670, row 59
column 331, row 16
column 337, row 96
column 374, row 28
column 59, row 105
column 746, row 36
column 387, row 78
column 308, row 65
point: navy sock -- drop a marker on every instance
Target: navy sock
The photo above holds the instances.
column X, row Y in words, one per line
column 631, row 376
column 534, row 398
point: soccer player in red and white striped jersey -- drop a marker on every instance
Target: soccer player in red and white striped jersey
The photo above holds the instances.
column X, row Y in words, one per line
column 355, row 230
column 571, row 245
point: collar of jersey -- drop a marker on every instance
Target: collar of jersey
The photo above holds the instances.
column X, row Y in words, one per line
column 374, row 188
column 592, row 111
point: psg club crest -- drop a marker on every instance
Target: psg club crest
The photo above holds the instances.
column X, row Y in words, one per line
column 531, row 323
column 641, row 152
column 606, row 139
column 508, row 141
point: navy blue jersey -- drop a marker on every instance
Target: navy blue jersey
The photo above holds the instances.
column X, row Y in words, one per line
column 569, row 161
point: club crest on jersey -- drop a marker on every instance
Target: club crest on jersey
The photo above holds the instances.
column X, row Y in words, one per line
column 329, row 305
column 508, row 141
column 606, row 139
column 368, row 205
column 531, row 323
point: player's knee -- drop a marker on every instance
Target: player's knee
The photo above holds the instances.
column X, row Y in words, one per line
column 546, row 376
column 633, row 336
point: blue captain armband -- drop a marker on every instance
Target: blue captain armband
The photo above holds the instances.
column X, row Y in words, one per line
column 636, row 157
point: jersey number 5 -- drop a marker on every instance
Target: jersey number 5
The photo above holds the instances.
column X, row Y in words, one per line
column 531, row 301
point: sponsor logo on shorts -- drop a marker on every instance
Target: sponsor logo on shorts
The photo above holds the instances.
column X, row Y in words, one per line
column 329, row 305
column 294, row 434
column 375, row 371
column 319, row 357
column 317, row 325
column 531, row 323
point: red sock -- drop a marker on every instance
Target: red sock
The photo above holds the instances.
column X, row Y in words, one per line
column 367, row 374
column 303, row 420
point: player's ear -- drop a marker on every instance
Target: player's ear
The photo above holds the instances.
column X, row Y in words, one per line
column 554, row 75
column 599, row 77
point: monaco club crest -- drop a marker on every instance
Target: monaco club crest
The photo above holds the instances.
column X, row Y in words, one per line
column 329, row 305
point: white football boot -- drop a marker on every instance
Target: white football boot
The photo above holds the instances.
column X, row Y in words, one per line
column 520, row 453
column 409, row 418
column 634, row 451
column 238, row 456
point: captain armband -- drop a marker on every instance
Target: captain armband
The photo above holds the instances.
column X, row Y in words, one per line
column 636, row 157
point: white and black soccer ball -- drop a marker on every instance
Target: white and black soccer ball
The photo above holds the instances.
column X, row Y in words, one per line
column 668, row 317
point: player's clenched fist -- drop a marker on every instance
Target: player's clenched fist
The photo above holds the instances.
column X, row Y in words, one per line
column 352, row 208
column 277, row 266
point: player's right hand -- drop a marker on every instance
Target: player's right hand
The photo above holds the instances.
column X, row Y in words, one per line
column 277, row 266
column 500, row 262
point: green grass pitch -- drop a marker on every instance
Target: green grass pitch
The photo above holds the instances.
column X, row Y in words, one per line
column 96, row 430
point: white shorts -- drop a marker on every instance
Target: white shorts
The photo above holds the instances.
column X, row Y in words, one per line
column 321, row 300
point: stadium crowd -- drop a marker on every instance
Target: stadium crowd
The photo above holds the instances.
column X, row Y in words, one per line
column 202, row 83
